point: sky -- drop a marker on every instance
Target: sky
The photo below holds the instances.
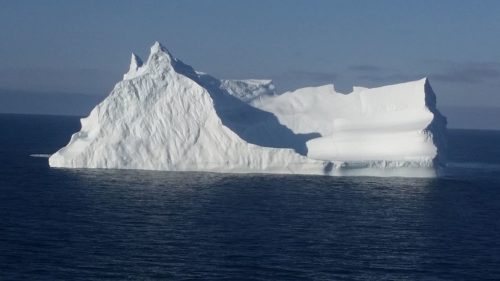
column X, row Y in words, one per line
column 83, row 47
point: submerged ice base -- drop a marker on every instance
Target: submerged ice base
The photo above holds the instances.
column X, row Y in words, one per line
column 166, row 116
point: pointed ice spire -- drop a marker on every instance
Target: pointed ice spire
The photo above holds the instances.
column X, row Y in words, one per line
column 159, row 50
column 158, row 47
column 135, row 62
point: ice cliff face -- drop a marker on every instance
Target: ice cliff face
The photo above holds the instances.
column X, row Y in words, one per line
column 166, row 116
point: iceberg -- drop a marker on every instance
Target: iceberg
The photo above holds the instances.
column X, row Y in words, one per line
column 164, row 115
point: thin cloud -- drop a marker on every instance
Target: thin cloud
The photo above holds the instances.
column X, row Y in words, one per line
column 374, row 74
column 365, row 68
column 469, row 72
column 379, row 78
column 314, row 76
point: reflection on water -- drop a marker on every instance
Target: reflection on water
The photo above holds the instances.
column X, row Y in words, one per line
column 119, row 223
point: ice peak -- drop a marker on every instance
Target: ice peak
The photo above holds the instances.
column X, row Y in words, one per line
column 135, row 62
column 160, row 58
column 158, row 47
column 159, row 62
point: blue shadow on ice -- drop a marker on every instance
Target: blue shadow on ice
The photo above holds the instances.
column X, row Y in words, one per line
column 249, row 123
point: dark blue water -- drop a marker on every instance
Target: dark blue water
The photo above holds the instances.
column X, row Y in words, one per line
column 58, row 224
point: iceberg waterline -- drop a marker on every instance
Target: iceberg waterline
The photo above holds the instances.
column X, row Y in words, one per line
column 164, row 115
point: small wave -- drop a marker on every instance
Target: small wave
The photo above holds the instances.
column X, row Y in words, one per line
column 473, row 165
column 40, row 155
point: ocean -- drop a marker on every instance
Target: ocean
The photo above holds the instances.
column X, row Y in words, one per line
column 64, row 224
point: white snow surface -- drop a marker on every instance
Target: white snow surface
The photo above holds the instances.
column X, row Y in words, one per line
column 393, row 123
column 166, row 116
